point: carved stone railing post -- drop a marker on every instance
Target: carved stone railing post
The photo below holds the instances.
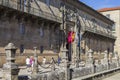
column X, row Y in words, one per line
column 53, row 65
column 96, row 64
column 116, row 59
column 106, row 59
column 35, row 66
column 89, row 61
column 11, row 69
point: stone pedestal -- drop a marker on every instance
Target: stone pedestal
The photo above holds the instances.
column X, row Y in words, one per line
column 65, row 59
column 11, row 69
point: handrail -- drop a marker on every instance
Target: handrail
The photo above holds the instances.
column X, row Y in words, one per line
column 30, row 10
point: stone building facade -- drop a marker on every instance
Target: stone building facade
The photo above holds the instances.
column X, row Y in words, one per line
column 45, row 24
column 114, row 14
column 27, row 28
column 94, row 29
column 30, row 24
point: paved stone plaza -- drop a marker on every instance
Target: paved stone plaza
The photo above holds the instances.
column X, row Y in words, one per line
column 113, row 77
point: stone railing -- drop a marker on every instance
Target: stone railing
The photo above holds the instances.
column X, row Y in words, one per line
column 58, row 72
column 90, row 68
column 100, row 68
column 30, row 10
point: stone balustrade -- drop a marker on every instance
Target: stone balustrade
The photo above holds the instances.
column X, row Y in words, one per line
column 90, row 67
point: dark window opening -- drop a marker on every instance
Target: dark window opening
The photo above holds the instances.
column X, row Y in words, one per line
column 41, row 49
column 21, row 48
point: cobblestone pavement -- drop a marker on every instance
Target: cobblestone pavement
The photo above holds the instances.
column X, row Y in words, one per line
column 113, row 77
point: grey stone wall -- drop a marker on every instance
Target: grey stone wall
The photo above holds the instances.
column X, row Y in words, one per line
column 10, row 32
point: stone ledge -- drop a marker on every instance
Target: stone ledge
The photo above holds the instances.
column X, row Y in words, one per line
column 96, row 74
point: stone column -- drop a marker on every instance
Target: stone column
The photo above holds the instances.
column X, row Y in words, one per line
column 74, row 56
column 11, row 69
column 65, row 60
